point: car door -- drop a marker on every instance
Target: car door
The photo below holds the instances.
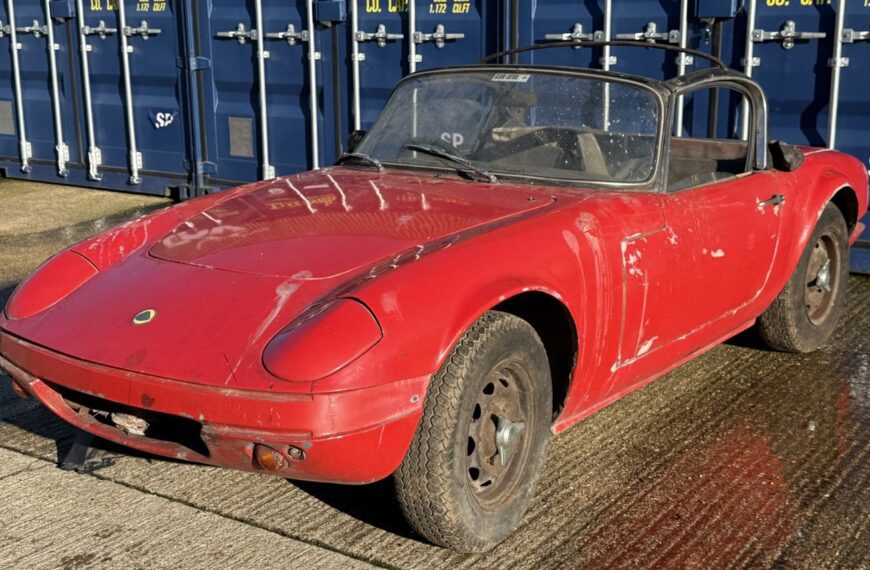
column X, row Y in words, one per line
column 727, row 233
column 714, row 255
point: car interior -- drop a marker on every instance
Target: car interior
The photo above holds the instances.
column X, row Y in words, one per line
column 697, row 161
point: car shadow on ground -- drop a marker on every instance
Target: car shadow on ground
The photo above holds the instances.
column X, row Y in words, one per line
column 374, row 504
column 749, row 339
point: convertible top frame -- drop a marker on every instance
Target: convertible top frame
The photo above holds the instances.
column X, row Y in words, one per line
column 718, row 75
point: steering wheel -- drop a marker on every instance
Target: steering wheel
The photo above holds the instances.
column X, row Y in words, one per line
column 579, row 144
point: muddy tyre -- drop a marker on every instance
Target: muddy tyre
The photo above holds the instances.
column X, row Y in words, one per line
column 472, row 467
column 804, row 315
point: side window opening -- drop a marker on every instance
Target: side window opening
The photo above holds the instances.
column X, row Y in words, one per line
column 710, row 148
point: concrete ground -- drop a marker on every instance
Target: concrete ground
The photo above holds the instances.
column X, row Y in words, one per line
column 742, row 457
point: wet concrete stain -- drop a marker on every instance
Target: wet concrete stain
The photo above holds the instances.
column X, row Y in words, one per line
column 742, row 457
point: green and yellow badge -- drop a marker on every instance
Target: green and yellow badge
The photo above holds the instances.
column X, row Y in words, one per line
column 144, row 317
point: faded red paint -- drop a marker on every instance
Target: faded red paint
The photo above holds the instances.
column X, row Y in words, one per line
column 650, row 280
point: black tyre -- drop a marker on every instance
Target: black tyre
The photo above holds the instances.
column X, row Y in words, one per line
column 471, row 471
column 804, row 315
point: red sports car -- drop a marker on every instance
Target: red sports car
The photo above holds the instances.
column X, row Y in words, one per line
column 509, row 249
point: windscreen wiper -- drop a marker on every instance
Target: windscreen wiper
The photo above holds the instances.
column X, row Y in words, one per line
column 450, row 157
column 360, row 157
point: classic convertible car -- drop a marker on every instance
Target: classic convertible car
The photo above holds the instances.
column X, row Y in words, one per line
column 509, row 249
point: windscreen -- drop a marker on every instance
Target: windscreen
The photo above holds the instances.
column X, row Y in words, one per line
column 529, row 124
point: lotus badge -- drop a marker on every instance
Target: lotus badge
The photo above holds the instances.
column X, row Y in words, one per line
column 144, row 317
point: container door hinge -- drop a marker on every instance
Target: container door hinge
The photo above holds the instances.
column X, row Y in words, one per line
column 787, row 35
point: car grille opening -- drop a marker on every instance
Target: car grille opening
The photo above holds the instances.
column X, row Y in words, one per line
column 157, row 425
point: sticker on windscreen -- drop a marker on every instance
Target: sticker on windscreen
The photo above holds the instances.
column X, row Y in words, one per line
column 511, row 77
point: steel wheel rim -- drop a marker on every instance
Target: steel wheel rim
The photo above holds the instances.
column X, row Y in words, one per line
column 822, row 279
column 498, row 442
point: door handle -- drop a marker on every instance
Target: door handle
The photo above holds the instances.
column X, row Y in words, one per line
column 775, row 200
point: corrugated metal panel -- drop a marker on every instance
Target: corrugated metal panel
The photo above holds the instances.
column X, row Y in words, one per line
column 223, row 92
column 79, row 123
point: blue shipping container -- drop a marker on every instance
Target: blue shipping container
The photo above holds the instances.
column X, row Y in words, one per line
column 184, row 98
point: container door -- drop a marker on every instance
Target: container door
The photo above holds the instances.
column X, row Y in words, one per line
column 133, row 133
column 37, row 117
column 395, row 37
column 849, row 124
column 670, row 23
column 786, row 46
column 263, row 91
column 565, row 20
column 562, row 20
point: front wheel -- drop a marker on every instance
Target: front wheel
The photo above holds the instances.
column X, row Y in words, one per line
column 804, row 315
column 470, row 473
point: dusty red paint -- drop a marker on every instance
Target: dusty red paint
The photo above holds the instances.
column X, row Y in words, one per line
column 650, row 280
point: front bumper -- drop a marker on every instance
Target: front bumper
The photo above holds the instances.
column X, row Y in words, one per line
column 351, row 437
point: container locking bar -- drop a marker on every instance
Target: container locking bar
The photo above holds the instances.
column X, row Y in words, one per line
column 313, row 57
column 268, row 171
column 292, row 37
column 95, row 156
column 413, row 57
column 60, row 146
column 38, row 30
column 25, row 150
column 381, row 36
column 683, row 60
column 787, row 35
column 836, row 63
column 135, row 157
column 440, row 36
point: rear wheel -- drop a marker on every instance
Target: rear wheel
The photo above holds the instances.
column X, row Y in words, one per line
column 472, row 467
column 804, row 315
